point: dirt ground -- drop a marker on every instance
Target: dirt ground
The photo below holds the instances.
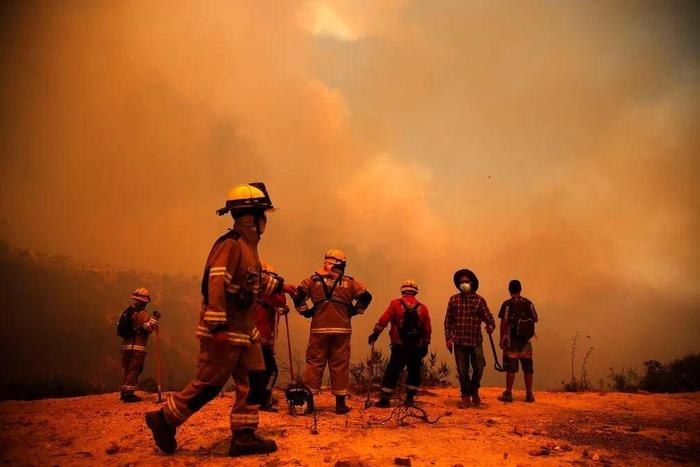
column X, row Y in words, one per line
column 559, row 429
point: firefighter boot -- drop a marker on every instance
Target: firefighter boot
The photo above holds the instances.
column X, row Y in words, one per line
column 476, row 400
column 163, row 433
column 129, row 396
column 340, row 407
column 384, row 402
column 245, row 443
column 410, row 398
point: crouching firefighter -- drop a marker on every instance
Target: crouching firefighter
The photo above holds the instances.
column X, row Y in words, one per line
column 268, row 309
column 231, row 283
column 335, row 299
column 410, row 337
column 133, row 327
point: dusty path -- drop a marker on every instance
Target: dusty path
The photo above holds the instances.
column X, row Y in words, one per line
column 563, row 429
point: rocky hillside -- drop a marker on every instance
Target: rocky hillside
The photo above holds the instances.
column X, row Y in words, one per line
column 559, row 429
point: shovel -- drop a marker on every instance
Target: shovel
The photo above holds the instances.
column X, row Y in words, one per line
column 157, row 315
column 496, row 365
column 368, row 402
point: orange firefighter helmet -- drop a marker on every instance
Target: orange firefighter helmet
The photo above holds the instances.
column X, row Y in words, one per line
column 141, row 294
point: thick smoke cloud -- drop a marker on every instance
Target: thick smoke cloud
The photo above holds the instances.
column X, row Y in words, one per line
column 551, row 142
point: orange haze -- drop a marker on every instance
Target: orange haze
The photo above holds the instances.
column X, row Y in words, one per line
column 555, row 142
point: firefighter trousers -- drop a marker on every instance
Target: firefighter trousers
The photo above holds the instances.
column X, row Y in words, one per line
column 262, row 381
column 132, row 363
column 217, row 362
column 403, row 356
column 331, row 349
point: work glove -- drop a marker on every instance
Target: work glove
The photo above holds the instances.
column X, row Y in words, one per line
column 373, row 338
column 423, row 351
column 290, row 290
column 282, row 310
column 309, row 313
column 156, row 314
column 489, row 329
column 449, row 345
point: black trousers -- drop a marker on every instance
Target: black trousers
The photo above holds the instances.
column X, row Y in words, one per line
column 403, row 356
column 262, row 382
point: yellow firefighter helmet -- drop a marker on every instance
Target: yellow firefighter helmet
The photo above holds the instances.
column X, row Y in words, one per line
column 247, row 196
column 141, row 294
column 409, row 286
column 336, row 257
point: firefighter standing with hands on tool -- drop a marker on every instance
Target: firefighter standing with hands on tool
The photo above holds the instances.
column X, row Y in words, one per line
column 134, row 327
column 229, row 345
column 410, row 337
column 335, row 299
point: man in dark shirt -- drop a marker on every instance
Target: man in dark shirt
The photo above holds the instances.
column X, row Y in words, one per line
column 465, row 313
column 517, row 317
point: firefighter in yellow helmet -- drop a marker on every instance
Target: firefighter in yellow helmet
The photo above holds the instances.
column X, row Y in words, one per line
column 133, row 327
column 330, row 299
column 229, row 342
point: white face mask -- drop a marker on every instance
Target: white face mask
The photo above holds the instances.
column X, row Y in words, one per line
column 465, row 287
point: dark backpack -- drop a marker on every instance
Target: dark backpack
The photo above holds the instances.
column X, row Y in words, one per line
column 125, row 325
column 411, row 329
column 521, row 319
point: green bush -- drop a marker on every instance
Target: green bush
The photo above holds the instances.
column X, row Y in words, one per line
column 680, row 375
column 623, row 381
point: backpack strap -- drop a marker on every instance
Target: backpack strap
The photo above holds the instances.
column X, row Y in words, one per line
column 326, row 291
column 407, row 309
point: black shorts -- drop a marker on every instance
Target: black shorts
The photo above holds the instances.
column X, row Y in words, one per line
column 510, row 365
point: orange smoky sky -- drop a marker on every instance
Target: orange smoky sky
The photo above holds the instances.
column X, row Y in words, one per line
column 554, row 142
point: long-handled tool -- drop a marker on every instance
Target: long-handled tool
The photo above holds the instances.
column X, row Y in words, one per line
column 299, row 397
column 496, row 365
column 158, row 387
column 368, row 402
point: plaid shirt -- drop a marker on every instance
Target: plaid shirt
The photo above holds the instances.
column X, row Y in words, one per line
column 465, row 313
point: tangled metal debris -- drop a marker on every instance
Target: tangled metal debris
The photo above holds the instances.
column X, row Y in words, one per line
column 402, row 413
column 314, row 423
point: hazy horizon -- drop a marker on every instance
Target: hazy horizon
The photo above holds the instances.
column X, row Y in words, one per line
column 556, row 143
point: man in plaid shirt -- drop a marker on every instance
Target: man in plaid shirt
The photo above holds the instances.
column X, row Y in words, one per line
column 465, row 313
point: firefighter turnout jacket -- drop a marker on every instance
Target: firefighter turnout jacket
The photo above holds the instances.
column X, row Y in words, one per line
column 143, row 325
column 231, row 283
column 336, row 299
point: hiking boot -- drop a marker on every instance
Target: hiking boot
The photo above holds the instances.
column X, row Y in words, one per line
column 529, row 397
column 246, row 443
column 340, row 407
column 383, row 403
column 464, row 403
column 507, row 396
column 476, row 400
column 129, row 397
column 163, row 433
